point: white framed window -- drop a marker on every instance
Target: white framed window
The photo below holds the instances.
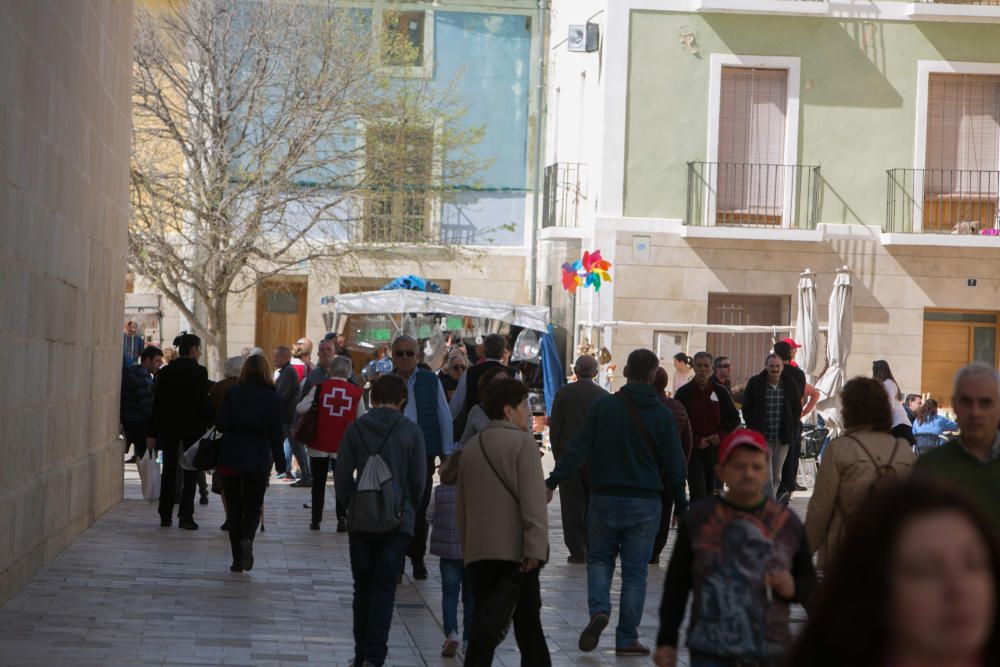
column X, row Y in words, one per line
column 956, row 183
column 752, row 139
column 405, row 38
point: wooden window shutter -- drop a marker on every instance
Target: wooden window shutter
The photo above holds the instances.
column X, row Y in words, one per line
column 963, row 128
column 753, row 105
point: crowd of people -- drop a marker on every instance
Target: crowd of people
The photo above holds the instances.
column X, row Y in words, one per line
column 898, row 552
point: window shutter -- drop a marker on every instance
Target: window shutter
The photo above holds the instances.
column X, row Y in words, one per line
column 963, row 132
column 753, row 104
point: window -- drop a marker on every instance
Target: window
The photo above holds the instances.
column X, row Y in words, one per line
column 752, row 110
column 961, row 178
column 399, row 166
column 404, row 38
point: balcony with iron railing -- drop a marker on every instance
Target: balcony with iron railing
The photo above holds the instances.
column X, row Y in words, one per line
column 943, row 201
column 769, row 196
column 564, row 194
column 954, row 10
column 790, row 7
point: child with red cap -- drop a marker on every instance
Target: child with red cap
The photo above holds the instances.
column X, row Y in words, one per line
column 744, row 558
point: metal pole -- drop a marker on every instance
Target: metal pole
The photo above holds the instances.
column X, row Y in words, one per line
column 539, row 114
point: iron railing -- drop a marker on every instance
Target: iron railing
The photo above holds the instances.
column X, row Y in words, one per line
column 565, row 193
column 943, row 201
column 995, row 3
column 753, row 195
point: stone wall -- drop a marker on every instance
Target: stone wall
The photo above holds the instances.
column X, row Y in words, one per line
column 64, row 152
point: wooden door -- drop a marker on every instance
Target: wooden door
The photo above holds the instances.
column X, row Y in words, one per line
column 746, row 351
column 952, row 340
column 281, row 311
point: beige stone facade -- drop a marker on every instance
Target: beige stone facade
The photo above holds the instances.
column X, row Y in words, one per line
column 64, row 149
column 894, row 285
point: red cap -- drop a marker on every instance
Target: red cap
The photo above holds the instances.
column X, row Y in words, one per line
column 791, row 341
column 741, row 437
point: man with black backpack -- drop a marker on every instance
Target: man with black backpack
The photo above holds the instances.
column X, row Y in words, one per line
column 386, row 451
column 634, row 451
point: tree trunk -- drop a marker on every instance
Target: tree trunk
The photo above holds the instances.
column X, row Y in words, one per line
column 217, row 347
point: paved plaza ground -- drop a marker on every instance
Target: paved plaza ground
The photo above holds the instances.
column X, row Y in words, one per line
column 128, row 592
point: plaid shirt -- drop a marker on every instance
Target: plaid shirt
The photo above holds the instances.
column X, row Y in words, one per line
column 774, row 402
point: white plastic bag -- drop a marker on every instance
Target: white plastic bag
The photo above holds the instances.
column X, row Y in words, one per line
column 187, row 458
column 149, row 475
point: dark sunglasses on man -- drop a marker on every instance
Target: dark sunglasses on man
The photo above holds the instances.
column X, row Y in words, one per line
column 403, row 353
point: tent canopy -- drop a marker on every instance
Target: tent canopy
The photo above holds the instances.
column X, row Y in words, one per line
column 408, row 301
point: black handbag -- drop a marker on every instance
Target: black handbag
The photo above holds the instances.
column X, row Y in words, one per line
column 491, row 621
column 207, row 454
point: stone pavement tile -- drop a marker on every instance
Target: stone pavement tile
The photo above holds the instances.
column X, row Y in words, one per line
column 128, row 593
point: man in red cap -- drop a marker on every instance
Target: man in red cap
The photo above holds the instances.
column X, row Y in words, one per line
column 753, row 562
column 807, row 397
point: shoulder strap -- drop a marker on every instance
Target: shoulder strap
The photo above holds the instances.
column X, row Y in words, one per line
column 384, row 440
column 895, row 448
column 637, row 421
column 482, row 448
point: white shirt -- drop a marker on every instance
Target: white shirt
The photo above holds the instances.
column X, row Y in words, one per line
column 898, row 412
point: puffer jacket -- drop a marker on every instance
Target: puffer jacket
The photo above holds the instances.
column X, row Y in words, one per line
column 844, row 481
column 445, row 542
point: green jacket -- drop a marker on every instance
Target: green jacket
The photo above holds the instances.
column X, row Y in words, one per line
column 951, row 463
column 620, row 462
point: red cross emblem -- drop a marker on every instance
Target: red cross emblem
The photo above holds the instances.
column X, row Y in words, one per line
column 338, row 402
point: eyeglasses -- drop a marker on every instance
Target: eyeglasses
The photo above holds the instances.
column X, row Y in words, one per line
column 725, row 366
column 404, row 353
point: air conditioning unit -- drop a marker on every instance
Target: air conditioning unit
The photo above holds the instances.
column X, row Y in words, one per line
column 584, row 38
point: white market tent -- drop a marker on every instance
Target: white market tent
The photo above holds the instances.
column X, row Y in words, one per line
column 403, row 301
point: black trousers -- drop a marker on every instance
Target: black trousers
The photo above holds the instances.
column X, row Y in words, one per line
column 135, row 435
column 701, row 471
column 484, row 576
column 320, row 467
column 244, row 496
column 418, row 546
column 172, row 446
column 574, row 495
column 667, row 502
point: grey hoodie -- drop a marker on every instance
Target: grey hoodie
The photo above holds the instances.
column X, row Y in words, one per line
column 403, row 453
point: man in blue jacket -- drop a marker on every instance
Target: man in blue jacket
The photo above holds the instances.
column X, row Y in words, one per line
column 631, row 442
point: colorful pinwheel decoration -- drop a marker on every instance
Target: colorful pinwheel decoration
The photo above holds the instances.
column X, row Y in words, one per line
column 590, row 271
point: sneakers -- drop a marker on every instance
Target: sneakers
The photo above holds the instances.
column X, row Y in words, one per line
column 450, row 646
column 419, row 570
column 591, row 634
column 636, row 649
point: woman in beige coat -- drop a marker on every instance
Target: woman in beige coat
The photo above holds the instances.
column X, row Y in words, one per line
column 502, row 519
column 865, row 456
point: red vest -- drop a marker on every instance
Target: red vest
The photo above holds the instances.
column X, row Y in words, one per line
column 338, row 405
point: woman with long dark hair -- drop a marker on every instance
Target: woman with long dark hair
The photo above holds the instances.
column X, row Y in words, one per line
column 250, row 420
column 683, row 373
column 901, row 427
column 929, row 426
column 916, row 582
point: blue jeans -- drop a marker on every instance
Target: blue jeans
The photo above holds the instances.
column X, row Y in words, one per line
column 455, row 579
column 618, row 525
column 376, row 561
column 298, row 450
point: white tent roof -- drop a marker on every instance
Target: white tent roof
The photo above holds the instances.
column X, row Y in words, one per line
column 411, row 301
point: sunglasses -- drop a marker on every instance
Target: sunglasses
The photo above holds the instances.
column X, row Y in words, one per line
column 404, row 353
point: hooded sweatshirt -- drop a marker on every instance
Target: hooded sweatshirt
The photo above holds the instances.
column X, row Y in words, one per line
column 620, row 462
column 403, row 452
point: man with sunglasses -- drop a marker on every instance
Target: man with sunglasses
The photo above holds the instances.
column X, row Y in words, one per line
column 723, row 372
column 427, row 407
